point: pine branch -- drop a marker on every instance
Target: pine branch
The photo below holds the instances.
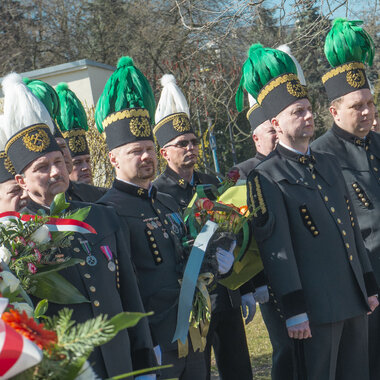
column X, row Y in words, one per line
column 82, row 338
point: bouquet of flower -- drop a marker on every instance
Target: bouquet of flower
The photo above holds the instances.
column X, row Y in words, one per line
column 56, row 349
column 59, row 347
column 29, row 248
column 219, row 223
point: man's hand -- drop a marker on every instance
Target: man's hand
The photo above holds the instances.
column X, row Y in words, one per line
column 225, row 258
column 261, row 294
column 373, row 303
column 300, row 331
column 248, row 302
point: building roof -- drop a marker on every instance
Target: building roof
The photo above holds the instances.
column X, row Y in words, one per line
column 65, row 67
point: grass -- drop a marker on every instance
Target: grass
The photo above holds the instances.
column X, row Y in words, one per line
column 260, row 349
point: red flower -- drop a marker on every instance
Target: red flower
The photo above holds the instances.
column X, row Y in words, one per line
column 32, row 330
column 32, row 268
column 233, row 175
column 204, row 204
column 31, row 244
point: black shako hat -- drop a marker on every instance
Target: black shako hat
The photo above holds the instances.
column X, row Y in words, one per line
column 172, row 113
column 126, row 126
column 7, row 171
column 29, row 144
column 171, row 127
column 347, row 48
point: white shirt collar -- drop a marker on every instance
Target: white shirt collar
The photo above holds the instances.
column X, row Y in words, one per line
column 294, row 150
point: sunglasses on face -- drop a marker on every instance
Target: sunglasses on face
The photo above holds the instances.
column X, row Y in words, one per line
column 185, row 143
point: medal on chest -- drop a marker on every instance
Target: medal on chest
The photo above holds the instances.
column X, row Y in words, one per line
column 91, row 260
column 109, row 256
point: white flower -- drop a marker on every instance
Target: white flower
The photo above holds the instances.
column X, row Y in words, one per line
column 8, row 279
column 7, row 223
column 42, row 235
column 5, row 255
column 23, row 306
column 86, row 373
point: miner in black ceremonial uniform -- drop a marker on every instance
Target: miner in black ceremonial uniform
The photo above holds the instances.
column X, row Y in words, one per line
column 355, row 146
column 105, row 276
column 180, row 148
column 73, row 125
column 307, row 231
column 263, row 135
column 265, row 139
column 152, row 218
column 64, row 115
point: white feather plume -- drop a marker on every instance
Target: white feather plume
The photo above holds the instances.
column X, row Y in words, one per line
column 252, row 101
column 3, row 137
column 172, row 99
column 21, row 107
column 286, row 49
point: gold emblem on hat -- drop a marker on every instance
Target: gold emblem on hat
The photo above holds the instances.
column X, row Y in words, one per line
column 7, row 163
column 37, row 140
column 355, row 78
column 140, row 127
column 295, row 88
column 181, row 123
column 77, row 144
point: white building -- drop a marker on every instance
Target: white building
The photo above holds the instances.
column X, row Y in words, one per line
column 85, row 77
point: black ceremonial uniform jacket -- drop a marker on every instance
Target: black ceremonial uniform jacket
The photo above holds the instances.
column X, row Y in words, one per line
column 169, row 182
column 359, row 160
column 246, row 166
column 108, row 291
column 155, row 227
column 83, row 192
column 309, row 238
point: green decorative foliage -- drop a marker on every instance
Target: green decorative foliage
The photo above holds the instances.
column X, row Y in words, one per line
column 72, row 115
column 261, row 66
column 126, row 88
column 46, row 93
column 348, row 42
column 56, row 289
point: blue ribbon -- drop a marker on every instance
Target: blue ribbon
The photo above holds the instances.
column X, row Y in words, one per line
column 190, row 278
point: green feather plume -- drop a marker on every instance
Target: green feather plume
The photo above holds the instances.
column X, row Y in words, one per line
column 126, row 88
column 262, row 65
column 46, row 93
column 348, row 42
column 72, row 115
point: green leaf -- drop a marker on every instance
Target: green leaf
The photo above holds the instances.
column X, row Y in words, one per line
column 59, row 204
column 56, row 289
column 41, row 308
column 75, row 366
column 56, row 267
column 80, row 214
column 25, row 296
column 127, row 319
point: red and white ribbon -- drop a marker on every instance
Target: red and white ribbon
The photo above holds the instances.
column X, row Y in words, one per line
column 17, row 353
column 54, row 224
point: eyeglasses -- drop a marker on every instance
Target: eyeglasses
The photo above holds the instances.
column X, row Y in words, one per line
column 184, row 143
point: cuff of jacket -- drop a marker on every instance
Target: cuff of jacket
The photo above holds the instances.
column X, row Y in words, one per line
column 296, row 320
column 247, row 287
column 294, row 303
column 143, row 358
column 371, row 284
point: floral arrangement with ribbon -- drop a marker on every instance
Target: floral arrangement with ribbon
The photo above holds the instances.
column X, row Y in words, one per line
column 29, row 248
column 56, row 349
column 32, row 345
column 209, row 220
